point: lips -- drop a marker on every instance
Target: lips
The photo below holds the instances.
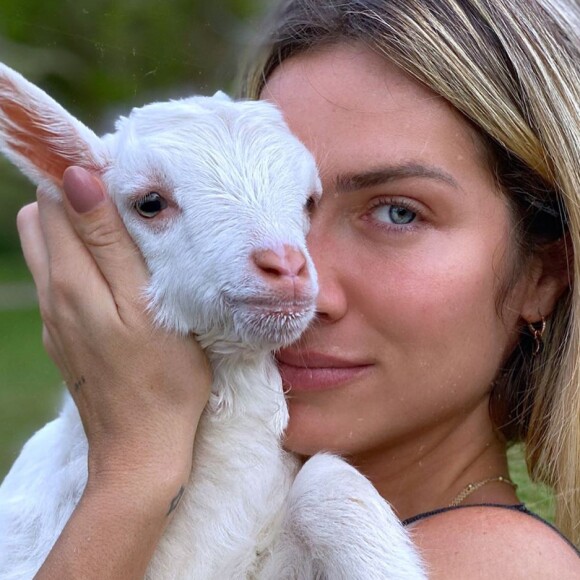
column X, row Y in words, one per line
column 313, row 371
column 276, row 306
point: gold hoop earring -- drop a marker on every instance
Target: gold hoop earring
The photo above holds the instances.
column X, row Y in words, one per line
column 537, row 330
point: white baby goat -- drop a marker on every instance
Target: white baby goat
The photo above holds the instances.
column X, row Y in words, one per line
column 211, row 191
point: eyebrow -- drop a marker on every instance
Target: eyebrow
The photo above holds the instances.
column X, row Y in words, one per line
column 349, row 182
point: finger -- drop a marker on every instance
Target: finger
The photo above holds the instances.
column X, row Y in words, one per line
column 65, row 249
column 73, row 274
column 98, row 224
column 62, row 242
column 33, row 246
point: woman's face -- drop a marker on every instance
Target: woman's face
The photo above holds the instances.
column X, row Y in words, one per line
column 411, row 243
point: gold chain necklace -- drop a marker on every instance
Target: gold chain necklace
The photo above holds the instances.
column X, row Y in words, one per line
column 470, row 488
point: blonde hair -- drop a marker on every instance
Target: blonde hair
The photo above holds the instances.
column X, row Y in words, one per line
column 511, row 68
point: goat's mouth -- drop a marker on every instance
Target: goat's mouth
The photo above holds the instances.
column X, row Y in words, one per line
column 272, row 323
column 269, row 307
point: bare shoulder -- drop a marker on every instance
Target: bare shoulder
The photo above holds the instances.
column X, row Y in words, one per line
column 486, row 542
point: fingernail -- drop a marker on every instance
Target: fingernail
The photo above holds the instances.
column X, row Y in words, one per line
column 82, row 190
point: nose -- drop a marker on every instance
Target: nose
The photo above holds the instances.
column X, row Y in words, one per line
column 335, row 261
column 284, row 270
column 289, row 262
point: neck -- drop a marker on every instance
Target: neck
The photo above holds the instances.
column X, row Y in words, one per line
column 247, row 384
column 427, row 472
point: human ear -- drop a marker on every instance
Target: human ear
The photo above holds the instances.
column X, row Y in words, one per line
column 550, row 275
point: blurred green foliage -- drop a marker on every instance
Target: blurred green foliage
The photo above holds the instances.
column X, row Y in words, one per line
column 30, row 387
column 99, row 58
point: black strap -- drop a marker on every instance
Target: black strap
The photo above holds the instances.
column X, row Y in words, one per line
column 520, row 507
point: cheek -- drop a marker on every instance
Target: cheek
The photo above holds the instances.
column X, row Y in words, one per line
column 437, row 305
column 436, row 340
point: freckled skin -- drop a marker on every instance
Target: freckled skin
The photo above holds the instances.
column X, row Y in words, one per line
column 417, row 301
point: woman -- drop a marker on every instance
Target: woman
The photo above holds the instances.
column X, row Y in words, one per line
column 447, row 243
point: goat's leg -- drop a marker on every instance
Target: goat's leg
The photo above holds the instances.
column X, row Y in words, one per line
column 338, row 527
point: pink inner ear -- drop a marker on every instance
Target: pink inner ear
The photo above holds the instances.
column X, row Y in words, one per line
column 28, row 135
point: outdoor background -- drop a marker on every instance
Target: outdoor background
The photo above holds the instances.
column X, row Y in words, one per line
column 99, row 58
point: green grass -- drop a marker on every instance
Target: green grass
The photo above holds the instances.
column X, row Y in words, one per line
column 30, row 390
column 538, row 498
column 29, row 383
column 13, row 268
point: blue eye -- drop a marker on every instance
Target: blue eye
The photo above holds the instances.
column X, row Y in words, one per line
column 398, row 215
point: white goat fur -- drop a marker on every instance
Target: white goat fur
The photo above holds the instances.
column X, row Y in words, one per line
column 237, row 181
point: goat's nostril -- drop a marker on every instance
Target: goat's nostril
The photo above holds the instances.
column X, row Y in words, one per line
column 289, row 262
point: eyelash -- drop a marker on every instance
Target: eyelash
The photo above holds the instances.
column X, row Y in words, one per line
column 394, row 202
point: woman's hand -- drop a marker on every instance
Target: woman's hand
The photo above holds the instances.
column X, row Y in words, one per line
column 140, row 390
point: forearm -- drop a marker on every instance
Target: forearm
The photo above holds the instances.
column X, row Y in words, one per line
column 113, row 532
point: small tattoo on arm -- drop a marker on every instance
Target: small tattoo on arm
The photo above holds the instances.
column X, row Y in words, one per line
column 175, row 501
column 79, row 382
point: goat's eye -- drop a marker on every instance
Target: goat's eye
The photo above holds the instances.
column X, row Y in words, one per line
column 311, row 204
column 150, row 205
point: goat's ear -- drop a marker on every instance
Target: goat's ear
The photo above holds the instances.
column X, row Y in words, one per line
column 39, row 136
column 220, row 95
